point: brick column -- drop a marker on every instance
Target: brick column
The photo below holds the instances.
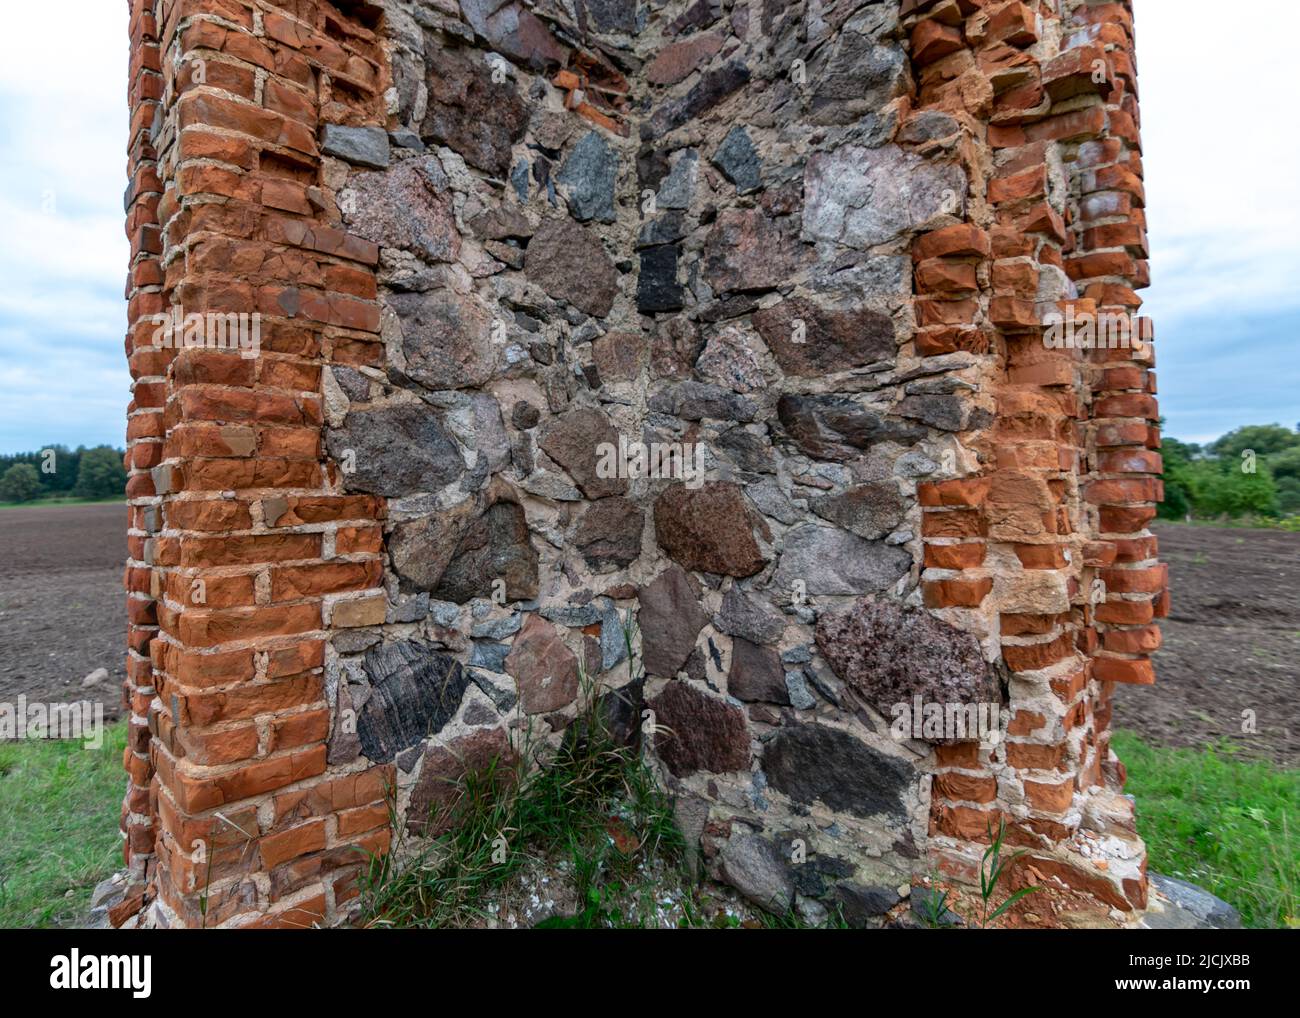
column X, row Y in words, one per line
column 241, row 544
column 1046, row 89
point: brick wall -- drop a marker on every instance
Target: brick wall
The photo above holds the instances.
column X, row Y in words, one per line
column 485, row 243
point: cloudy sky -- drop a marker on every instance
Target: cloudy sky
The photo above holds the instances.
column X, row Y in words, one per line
column 1221, row 172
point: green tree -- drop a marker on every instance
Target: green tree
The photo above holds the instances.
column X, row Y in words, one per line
column 1263, row 439
column 20, row 483
column 100, row 473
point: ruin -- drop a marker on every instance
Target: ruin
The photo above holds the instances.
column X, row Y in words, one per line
column 807, row 247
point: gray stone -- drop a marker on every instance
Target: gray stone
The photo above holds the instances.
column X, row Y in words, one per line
column 889, row 654
column 796, row 686
column 738, row 160
column 817, row 763
column 408, row 207
column 344, row 745
column 608, row 533
column 699, row 732
column 410, row 609
column 414, row 692
column 862, row 197
column 670, row 620
column 590, row 173
column 730, row 359
column 868, row 510
column 747, row 618
column 500, row 689
column 574, row 616
column 756, row 674
column 678, row 188
column 498, row 628
column 491, row 656
column 698, row 401
column 830, row 561
column 395, row 449
column 446, row 339
column 946, row 411
column 571, row 264
column 665, row 228
column 613, row 639
column 861, row 77
column 1204, row 909
column 754, row 867
column 364, row 146
column 838, row 428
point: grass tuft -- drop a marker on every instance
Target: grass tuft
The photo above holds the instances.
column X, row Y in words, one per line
column 59, row 806
column 1225, row 823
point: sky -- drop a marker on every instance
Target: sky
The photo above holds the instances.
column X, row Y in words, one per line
column 1221, row 151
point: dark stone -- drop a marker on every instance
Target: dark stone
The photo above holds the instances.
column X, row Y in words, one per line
column 495, row 546
column 574, row 440
column 868, row 510
column 713, row 87
column 889, row 654
column 746, row 450
column 738, row 160
column 523, row 415
column 745, row 250
column 500, row 223
column 657, row 288
column 414, row 692
column 397, row 449
column 608, row 534
column 544, row 669
column 437, row 793
column 364, row 146
column 830, row 340
column 590, row 173
column 751, row 620
column 814, row 762
column 862, row 907
column 837, row 428
column 612, row 15
column 757, row 674
column 939, row 410
column 698, row 401
column 709, row 529
column 670, row 620
column 861, row 77
column 446, row 338
column 469, row 112
column 570, row 264
column 699, row 732
column 665, row 228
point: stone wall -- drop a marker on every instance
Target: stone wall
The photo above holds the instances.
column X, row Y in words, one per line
column 725, row 324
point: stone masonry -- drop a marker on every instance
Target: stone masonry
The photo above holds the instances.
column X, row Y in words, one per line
column 731, row 319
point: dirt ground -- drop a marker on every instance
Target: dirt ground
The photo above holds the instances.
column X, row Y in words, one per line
column 1231, row 644
column 62, row 606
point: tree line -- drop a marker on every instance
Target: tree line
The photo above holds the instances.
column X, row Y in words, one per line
column 59, row 472
column 1250, row 472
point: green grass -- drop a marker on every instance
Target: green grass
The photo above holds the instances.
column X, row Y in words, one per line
column 1227, row 824
column 59, row 805
column 46, row 503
